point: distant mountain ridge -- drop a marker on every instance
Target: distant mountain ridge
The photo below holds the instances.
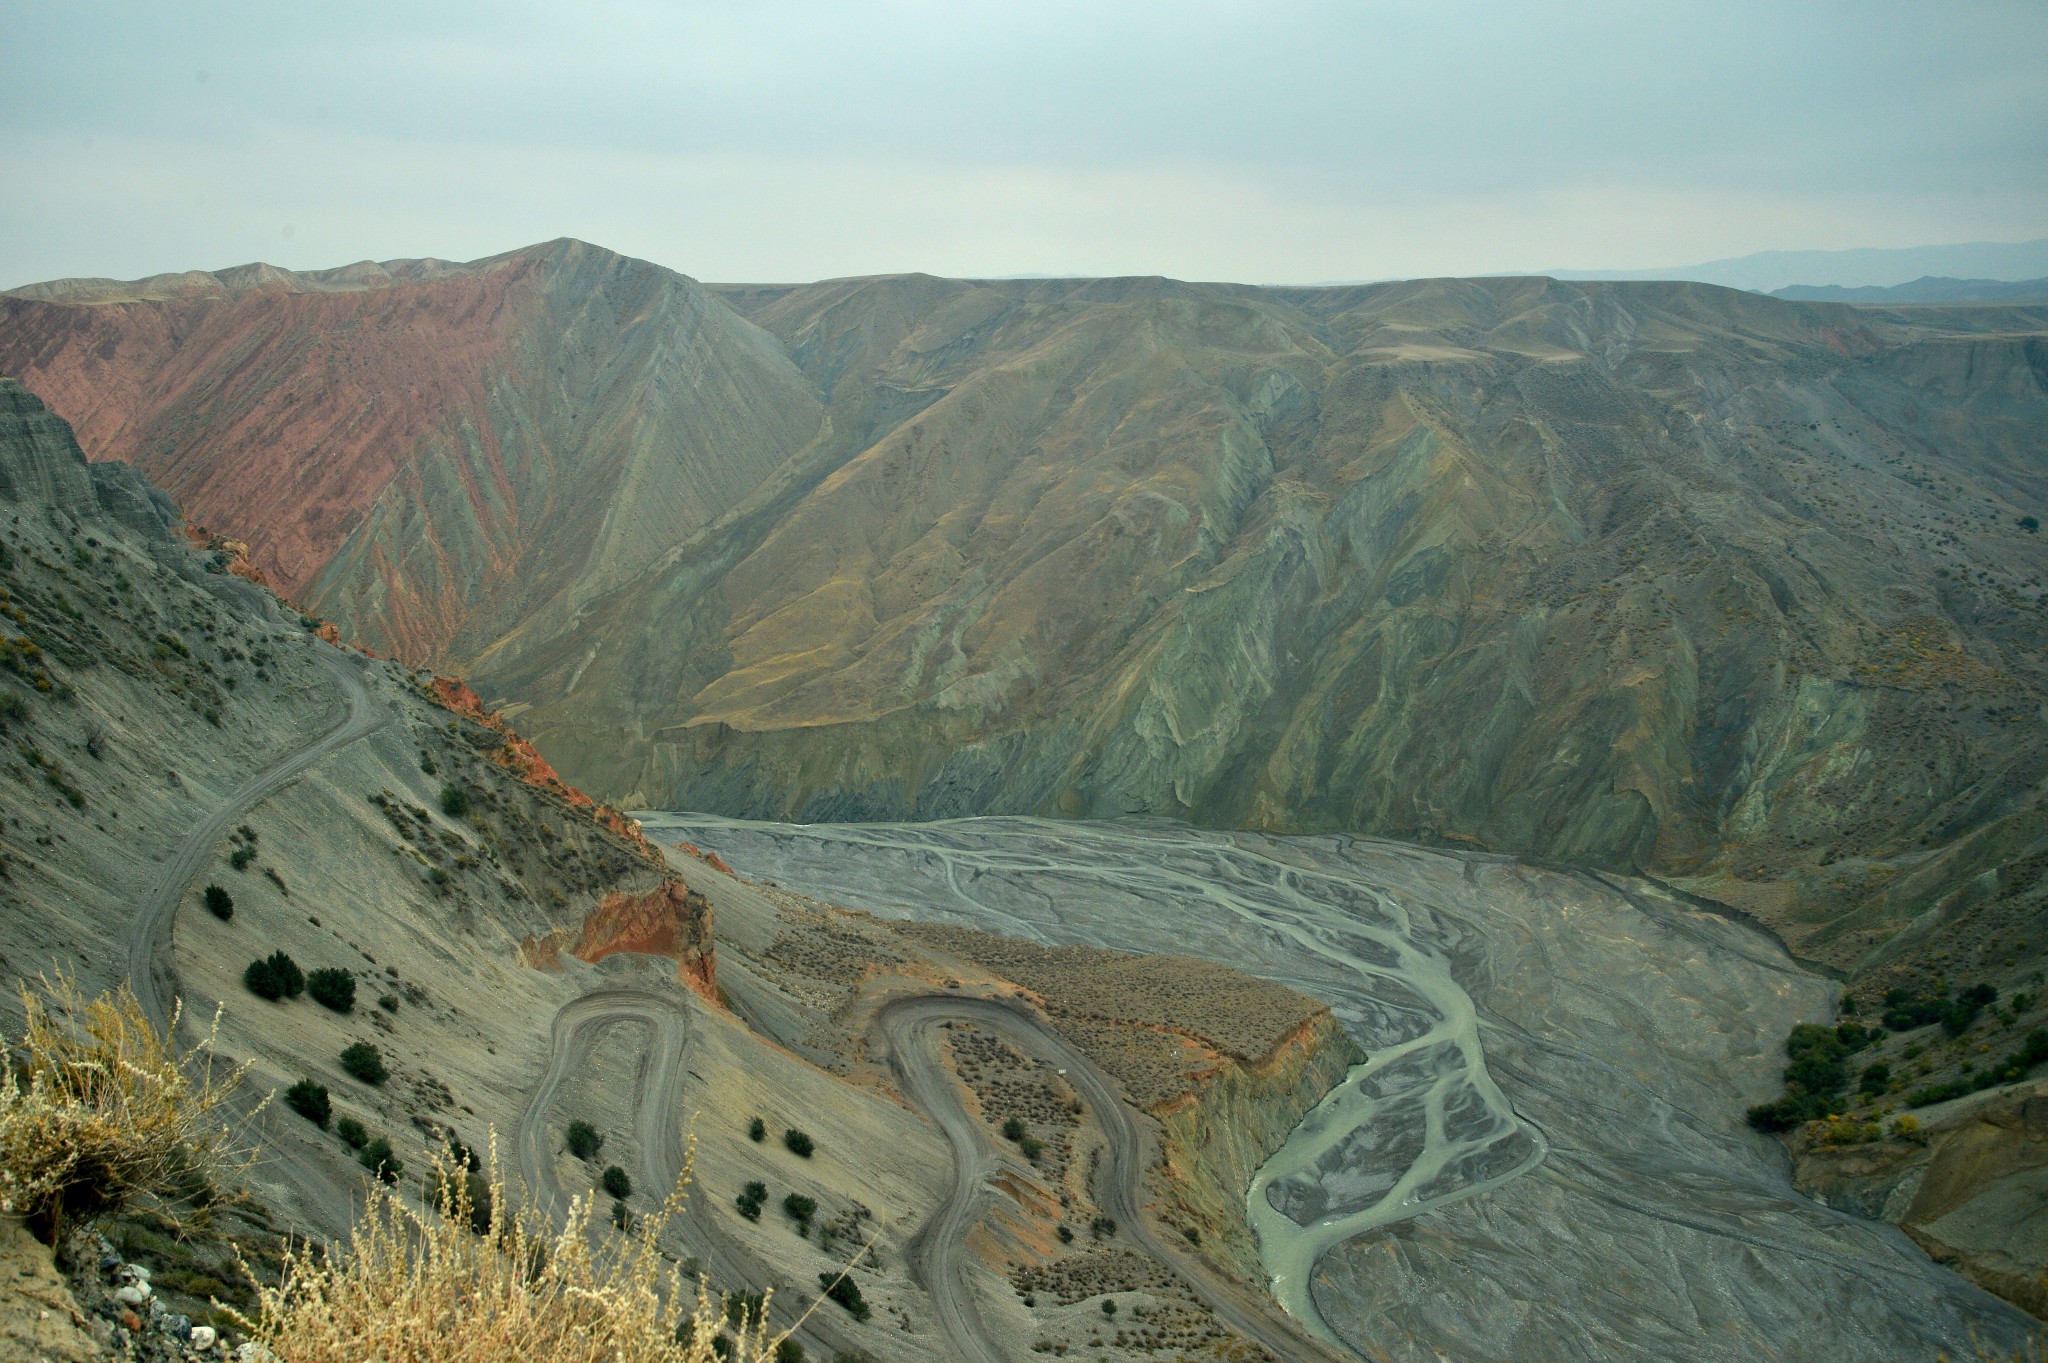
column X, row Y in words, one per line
column 1765, row 271
column 1654, row 576
column 1927, row 289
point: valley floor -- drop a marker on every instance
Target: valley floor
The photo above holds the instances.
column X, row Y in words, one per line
column 1544, row 1156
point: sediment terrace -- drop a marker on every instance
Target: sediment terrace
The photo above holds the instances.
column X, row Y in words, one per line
column 1544, row 1155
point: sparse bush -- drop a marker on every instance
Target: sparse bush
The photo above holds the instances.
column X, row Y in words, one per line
column 622, row 1219
column 584, row 1140
column 352, row 1133
column 750, row 1199
column 219, row 902
column 614, row 1181
column 276, row 976
column 362, row 1061
column 98, row 1109
column 1013, row 1129
column 757, row 1130
column 799, row 1144
column 1032, row 1147
column 788, row 1351
column 241, row 857
column 454, row 801
column 799, row 1208
column 388, row 1002
column 418, row 1287
column 378, row 1157
column 846, row 1292
column 332, row 987
column 1102, row 1228
column 1109, row 1306
column 1066, row 1235
column 13, row 710
column 310, row 1101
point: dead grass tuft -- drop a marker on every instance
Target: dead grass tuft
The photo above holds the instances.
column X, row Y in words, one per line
column 427, row 1287
column 98, row 1110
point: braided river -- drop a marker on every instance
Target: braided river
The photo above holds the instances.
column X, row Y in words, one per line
column 1543, row 1156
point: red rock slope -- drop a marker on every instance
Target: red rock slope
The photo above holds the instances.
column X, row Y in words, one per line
column 424, row 451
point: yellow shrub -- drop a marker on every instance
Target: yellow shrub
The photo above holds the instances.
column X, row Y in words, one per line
column 414, row 1287
column 98, row 1109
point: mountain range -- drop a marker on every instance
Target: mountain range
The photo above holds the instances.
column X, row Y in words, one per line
column 1926, row 289
column 1880, row 266
column 1741, row 592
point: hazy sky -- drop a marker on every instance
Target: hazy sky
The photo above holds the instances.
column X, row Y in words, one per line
column 786, row 140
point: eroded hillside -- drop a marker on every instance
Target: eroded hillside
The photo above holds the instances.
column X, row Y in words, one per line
column 426, row 944
column 1656, row 577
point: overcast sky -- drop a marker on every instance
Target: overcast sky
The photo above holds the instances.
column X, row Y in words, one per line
column 786, row 140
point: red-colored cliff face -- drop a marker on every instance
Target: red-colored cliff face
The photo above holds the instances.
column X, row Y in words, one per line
column 669, row 920
column 517, row 755
column 427, row 453
column 279, row 415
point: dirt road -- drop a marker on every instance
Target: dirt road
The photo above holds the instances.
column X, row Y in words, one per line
column 150, row 973
column 658, row 1125
column 938, row 1255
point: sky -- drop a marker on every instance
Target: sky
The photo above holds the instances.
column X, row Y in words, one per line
column 785, row 140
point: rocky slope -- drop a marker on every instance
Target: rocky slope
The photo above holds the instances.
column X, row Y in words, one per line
column 519, row 956
column 427, row 452
column 1966, row 1182
column 1659, row 577
column 143, row 683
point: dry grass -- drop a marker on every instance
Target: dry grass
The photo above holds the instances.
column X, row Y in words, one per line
column 472, row 1284
column 98, row 1110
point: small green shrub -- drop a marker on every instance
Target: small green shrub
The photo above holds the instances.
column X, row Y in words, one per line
column 584, row 1139
column 750, row 1199
column 276, row 976
column 799, row 1208
column 1032, row 1148
column 799, row 1143
column 1013, row 1129
column 788, row 1351
column 351, row 1132
column 1109, row 1306
column 241, row 857
column 219, row 902
column 388, row 1002
column 363, row 1062
column 332, row 987
column 378, row 1158
column 615, row 1182
column 454, row 801
column 309, row 1100
column 757, row 1130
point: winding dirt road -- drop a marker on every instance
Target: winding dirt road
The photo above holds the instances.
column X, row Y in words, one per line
column 938, row 1259
column 658, row 1126
column 150, row 973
